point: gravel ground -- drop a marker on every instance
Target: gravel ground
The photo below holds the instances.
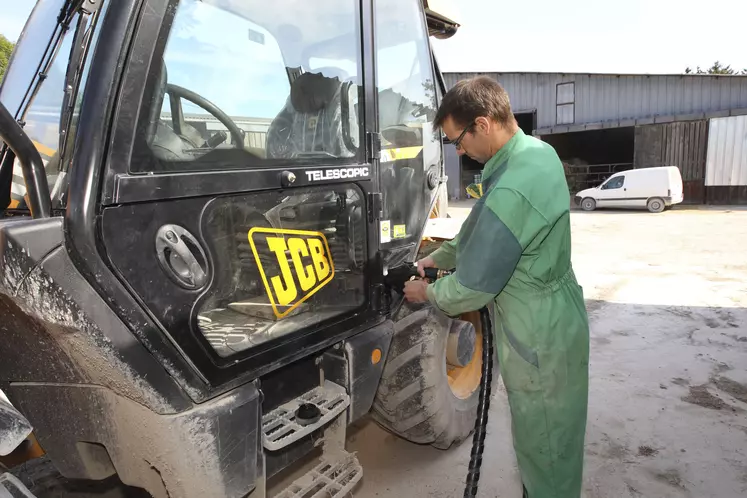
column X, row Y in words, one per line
column 667, row 300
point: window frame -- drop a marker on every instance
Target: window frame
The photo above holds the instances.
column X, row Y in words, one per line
column 139, row 79
column 565, row 104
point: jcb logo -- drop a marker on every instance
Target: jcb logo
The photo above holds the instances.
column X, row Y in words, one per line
column 294, row 264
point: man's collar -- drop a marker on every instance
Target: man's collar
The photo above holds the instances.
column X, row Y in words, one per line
column 501, row 156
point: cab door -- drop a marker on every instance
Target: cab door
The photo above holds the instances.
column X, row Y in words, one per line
column 613, row 193
column 411, row 151
column 239, row 201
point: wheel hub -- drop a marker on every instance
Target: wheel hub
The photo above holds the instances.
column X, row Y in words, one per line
column 463, row 381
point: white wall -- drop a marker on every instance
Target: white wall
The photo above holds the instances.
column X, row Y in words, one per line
column 726, row 162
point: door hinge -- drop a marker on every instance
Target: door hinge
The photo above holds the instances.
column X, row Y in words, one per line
column 380, row 299
column 374, row 207
column 373, row 145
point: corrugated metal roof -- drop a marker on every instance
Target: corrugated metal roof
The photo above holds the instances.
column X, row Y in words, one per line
column 619, row 99
column 726, row 163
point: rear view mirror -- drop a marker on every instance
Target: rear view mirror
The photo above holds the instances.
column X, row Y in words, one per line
column 21, row 147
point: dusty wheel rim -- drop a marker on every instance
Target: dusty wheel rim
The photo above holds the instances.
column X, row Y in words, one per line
column 587, row 205
column 464, row 381
column 656, row 205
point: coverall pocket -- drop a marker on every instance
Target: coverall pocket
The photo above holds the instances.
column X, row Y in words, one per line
column 519, row 364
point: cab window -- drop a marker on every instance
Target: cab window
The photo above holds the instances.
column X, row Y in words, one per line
column 411, row 150
column 245, row 84
column 42, row 113
column 614, row 183
column 31, row 46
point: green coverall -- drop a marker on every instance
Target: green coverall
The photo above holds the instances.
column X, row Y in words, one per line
column 513, row 254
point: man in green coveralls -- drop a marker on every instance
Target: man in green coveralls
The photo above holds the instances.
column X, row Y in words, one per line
column 513, row 255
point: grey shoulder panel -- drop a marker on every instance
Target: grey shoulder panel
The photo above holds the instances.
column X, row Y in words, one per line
column 488, row 251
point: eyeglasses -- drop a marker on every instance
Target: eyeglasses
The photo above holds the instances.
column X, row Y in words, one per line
column 458, row 142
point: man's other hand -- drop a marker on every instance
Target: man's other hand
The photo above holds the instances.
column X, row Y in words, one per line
column 415, row 291
column 425, row 263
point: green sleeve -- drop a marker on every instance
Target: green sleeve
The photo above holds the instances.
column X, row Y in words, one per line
column 445, row 256
column 487, row 253
column 453, row 298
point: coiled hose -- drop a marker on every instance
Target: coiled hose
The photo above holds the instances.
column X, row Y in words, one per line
column 483, row 405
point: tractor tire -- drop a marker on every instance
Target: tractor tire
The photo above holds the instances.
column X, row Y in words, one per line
column 420, row 398
column 43, row 479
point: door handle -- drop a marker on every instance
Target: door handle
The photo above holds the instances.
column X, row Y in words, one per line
column 181, row 257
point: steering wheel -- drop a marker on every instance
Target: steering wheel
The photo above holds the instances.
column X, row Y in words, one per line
column 176, row 92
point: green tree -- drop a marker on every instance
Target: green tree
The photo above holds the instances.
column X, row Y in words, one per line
column 6, row 48
column 716, row 68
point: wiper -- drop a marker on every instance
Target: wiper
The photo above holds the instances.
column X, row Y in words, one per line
column 50, row 54
column 88, row 9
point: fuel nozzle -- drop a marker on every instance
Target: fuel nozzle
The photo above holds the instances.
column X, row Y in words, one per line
column 396, row 277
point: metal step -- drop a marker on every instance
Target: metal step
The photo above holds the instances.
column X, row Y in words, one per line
column 11, row 487
column 280, row 427
column 329, row 479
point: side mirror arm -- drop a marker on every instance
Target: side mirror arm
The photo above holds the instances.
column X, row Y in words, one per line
column 34, row 175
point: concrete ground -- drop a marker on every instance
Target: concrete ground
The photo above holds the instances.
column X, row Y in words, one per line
column 667, row 301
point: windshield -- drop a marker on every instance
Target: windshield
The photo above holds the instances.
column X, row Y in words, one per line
column 41, row 88
column 30, row 48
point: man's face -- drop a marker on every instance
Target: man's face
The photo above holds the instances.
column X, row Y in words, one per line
column 474, row 138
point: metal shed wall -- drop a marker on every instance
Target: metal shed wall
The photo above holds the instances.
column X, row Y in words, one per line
column 727, row 152
column 726, row 164
column 619, row 100
column 676, row 144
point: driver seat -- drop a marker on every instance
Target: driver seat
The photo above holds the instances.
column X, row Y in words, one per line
column 164, row 142
column 312, row 120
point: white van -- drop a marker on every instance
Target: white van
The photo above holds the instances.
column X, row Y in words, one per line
column 651, row 188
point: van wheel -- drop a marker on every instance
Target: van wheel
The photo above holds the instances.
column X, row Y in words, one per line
column 588, row 204
column 655, row 205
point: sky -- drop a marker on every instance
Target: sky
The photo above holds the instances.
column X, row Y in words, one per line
column 605, row 36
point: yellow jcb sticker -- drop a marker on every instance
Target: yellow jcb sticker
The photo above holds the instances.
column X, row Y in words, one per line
column 302, row 265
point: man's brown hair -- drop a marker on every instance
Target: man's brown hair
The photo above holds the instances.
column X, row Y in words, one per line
column 473, row 98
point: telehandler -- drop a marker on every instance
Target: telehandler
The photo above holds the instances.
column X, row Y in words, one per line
column 204, row 203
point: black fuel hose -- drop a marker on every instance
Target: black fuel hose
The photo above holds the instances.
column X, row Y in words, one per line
column 483, row 405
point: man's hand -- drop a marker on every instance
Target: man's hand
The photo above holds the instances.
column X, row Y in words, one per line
column 415, row 291
column 426, row 262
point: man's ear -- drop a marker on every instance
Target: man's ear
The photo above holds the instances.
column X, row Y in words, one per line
column 483, row 124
